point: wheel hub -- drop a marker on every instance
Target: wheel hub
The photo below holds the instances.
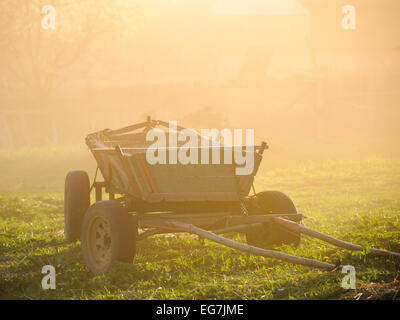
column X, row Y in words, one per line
column 100, row 241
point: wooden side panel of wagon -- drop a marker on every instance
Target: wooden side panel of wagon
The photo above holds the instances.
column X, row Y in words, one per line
column 131, row 173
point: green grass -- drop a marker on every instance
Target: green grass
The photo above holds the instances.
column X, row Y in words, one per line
column 358, row 201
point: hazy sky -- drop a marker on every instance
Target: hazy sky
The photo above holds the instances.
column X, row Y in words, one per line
column 259, row 7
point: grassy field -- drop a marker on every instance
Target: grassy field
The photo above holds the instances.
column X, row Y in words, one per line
column 358, row 201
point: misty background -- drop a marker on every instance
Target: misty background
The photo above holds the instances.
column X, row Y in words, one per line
column 285, row 68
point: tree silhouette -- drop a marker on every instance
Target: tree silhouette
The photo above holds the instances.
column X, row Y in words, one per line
column 34, row 61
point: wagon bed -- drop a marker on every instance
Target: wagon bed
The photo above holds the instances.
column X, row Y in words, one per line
column 121, row 158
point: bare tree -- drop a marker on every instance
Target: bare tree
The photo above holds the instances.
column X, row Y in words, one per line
column 35, row 61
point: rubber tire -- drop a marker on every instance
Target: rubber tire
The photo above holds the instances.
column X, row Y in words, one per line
column 271, row 235
column 123, row 233
column 76, row 202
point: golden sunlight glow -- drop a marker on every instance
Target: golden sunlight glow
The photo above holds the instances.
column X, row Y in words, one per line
column 309, row 88
column 259, row 7
column 109, row 63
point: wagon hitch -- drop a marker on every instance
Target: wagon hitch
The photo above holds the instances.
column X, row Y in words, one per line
column 336, row 242
column 176, row 226
column 168, row 225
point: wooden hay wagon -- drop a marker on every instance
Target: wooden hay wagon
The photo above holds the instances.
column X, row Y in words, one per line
column 203, row 199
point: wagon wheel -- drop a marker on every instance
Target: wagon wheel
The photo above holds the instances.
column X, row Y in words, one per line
column 270, row 234
column 108, row 235
column 76, row 202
